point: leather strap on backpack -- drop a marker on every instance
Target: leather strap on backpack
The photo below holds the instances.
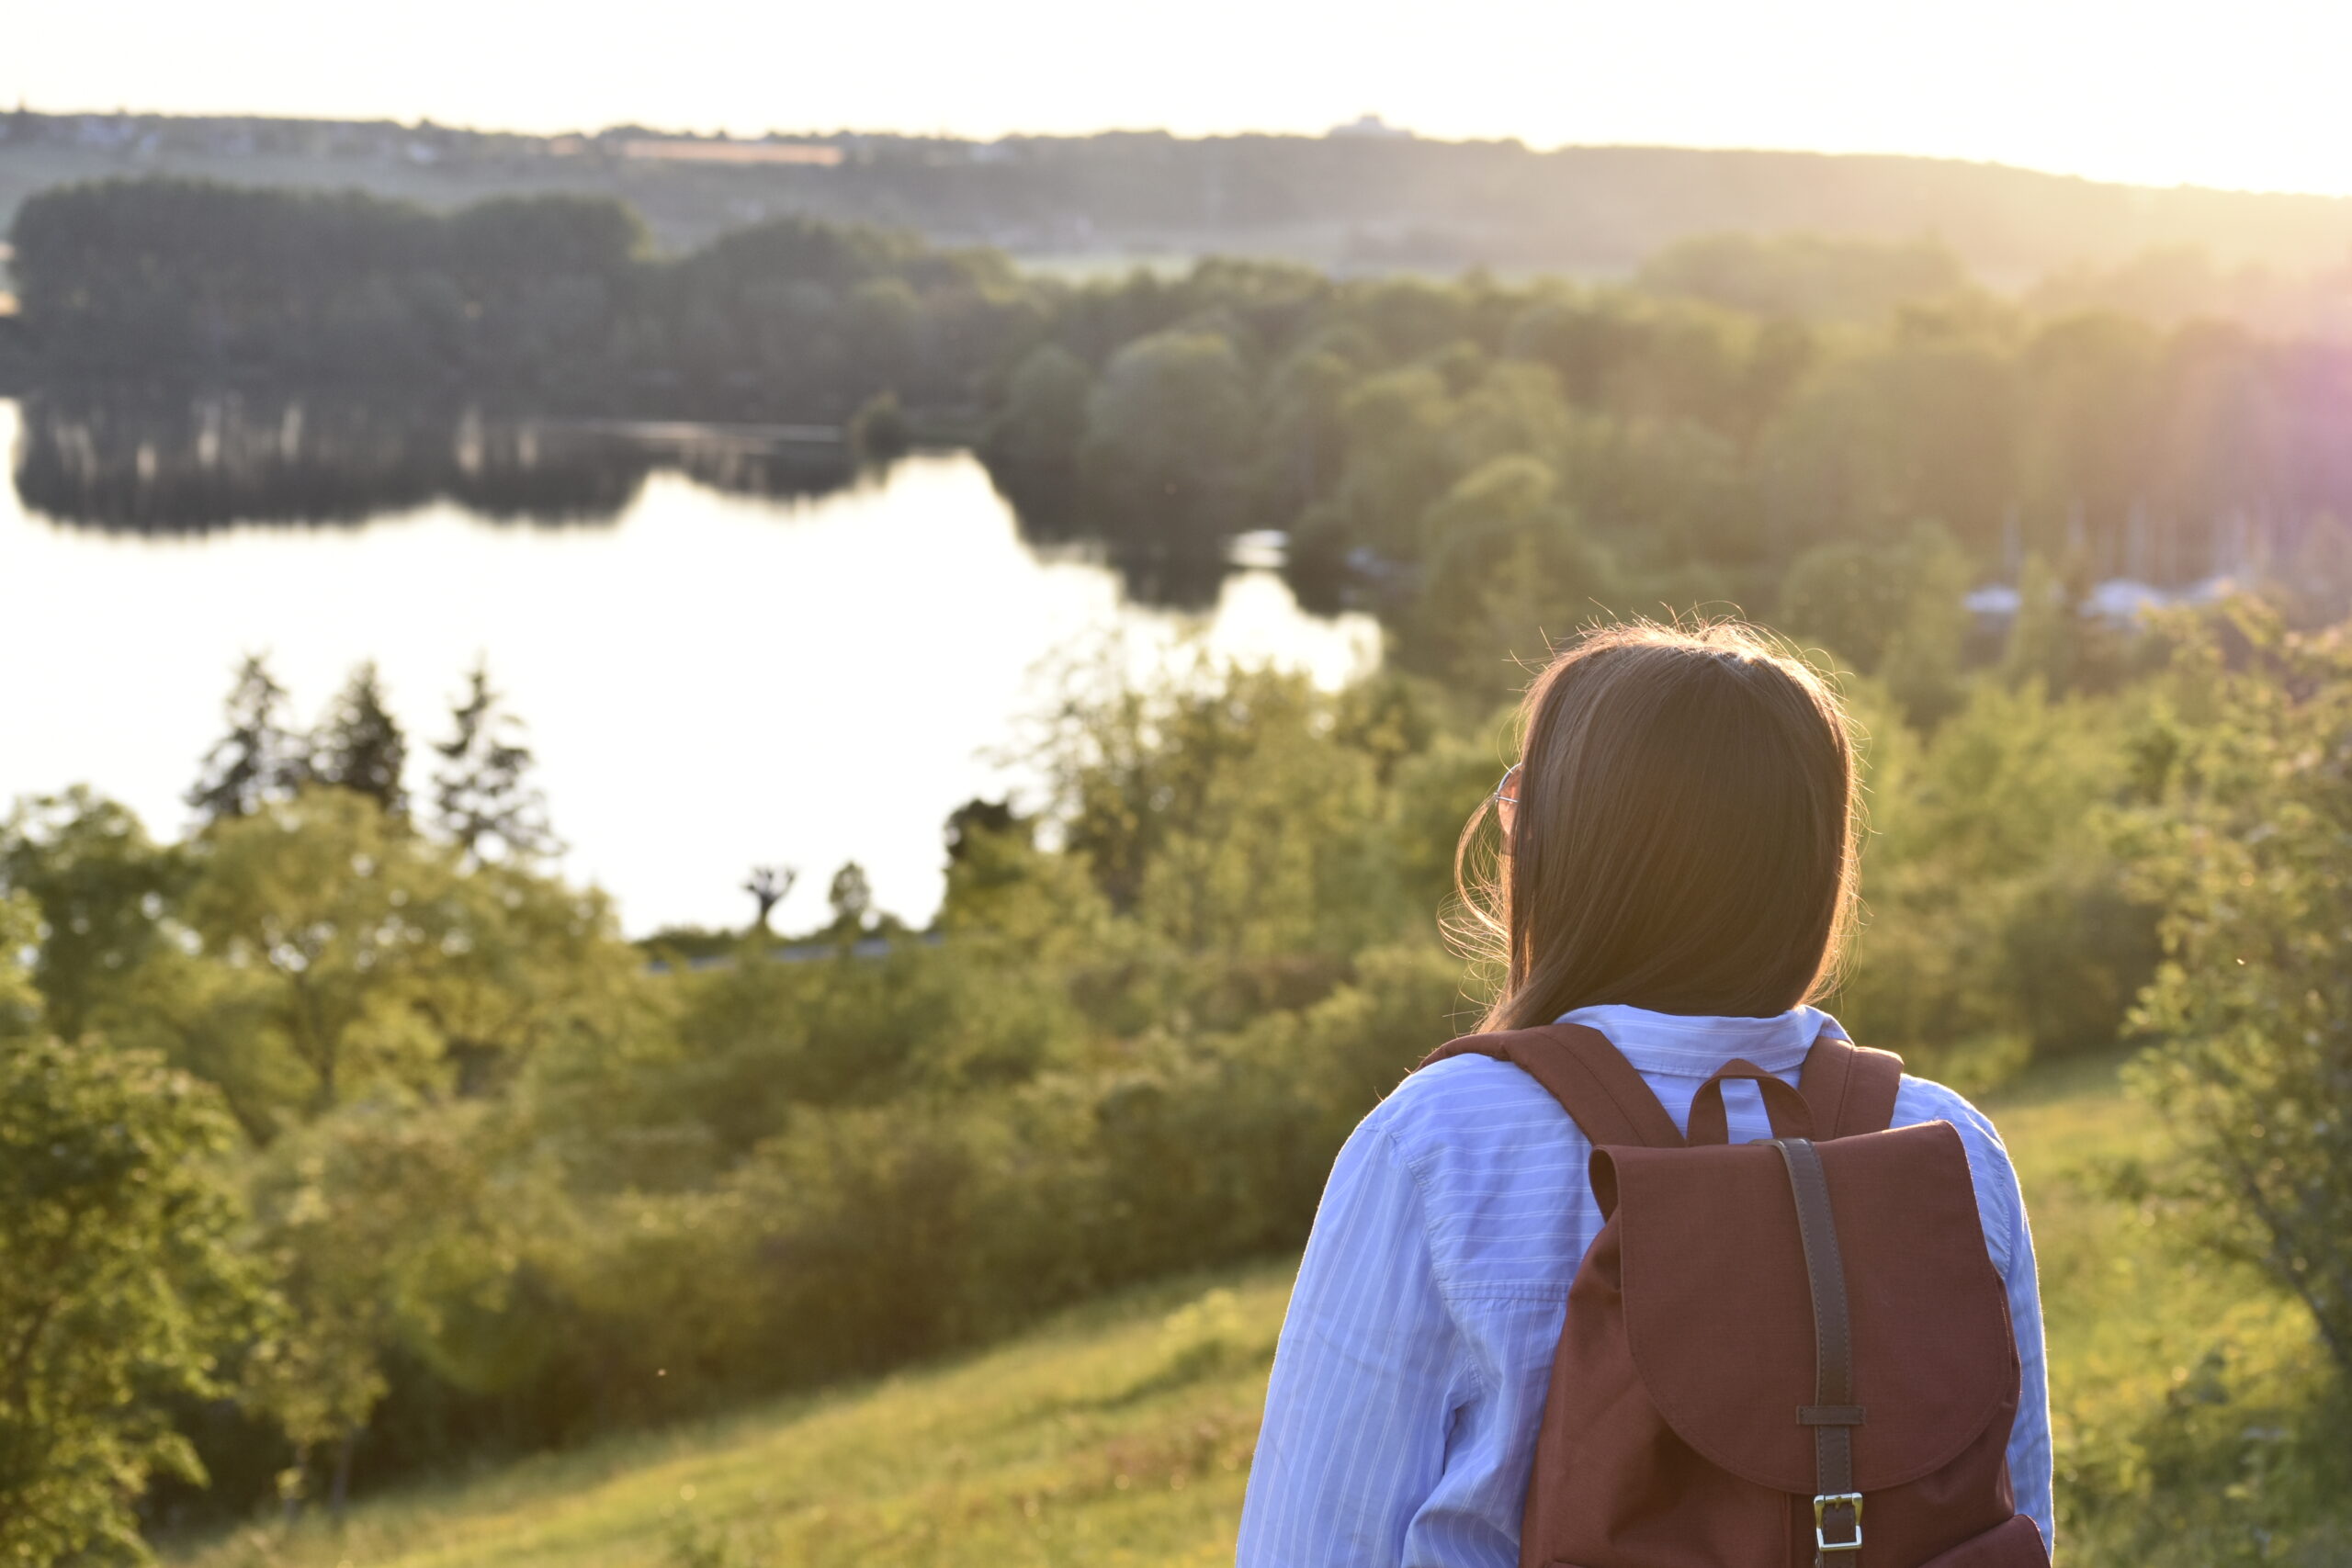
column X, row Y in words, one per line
column 1602, row 1092
column 1833, row 1414
column 1850, row 1089
column 1847, row 1089
column 1788, row 1111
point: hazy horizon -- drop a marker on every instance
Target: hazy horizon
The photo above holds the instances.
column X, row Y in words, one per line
column 818, row 132
column 2159, row 96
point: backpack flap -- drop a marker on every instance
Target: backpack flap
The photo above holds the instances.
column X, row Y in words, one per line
column 1719, row 1315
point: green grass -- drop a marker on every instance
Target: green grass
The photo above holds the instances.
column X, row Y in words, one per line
column 1121, row 1433
column 1118, row 1434
column 2191, row 1410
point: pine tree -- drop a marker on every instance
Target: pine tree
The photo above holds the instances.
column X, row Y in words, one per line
column 482, row 799
column 259, row 761
column 852, row 897
column 360, row 747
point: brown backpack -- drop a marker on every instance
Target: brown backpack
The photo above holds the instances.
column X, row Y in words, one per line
column 1776, row 1353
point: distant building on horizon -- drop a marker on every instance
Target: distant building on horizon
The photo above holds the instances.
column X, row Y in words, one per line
column 1372, row 126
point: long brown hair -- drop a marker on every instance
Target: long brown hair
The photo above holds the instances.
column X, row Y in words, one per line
column 1683, row 834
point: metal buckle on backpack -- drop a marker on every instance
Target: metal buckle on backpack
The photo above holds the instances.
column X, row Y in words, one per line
column 1821, row 1506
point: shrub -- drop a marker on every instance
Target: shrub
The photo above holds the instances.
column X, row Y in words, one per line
column 2251, row 854
column 120, row 1292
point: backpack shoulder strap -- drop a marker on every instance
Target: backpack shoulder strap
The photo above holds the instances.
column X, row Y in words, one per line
column 1850, row 1090
column 1601, row 1091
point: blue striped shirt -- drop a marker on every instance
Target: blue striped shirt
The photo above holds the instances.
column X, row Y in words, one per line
column 1410, row 1381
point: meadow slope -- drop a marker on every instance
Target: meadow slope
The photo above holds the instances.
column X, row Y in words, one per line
column 1121, row 1433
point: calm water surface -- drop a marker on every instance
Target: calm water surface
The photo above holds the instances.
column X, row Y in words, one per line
column 710, row 679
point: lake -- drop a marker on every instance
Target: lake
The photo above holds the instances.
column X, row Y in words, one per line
column 719, row 667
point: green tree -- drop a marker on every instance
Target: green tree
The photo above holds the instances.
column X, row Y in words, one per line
column 1995, row 925
column 851, row 897
column 120, row 1290
column 527, row 967
column 1922, row 664
column 1894, row 608
column 338, row 954
column 1044, row 417
column 1168, row 425
column 1509, row 573
column 2052, row 641
column 1039, row 911
column 325, row 919
column 2251, row 854
column 878, row 431
column 2089, row 436
column 386, row 1229
column 2044, row 640
column 360, row 747
column 1184, row 802
column 1848, row 598
column 102, row 888
column 1922, row 422
column 21, row 1000
column 1806, row 276
column 483, row 799
column 260, row 760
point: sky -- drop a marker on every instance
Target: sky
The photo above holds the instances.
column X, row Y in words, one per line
column 2246, row 95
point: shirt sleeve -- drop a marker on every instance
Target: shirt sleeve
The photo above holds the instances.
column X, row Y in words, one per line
column 2030, row 1452
column 2009, row 1240
column 1368, row 1375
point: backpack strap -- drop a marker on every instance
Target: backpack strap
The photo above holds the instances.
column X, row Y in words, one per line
column 1789, row 1112
column 1851, row 1090
column 1833, row 1414
column 1601, row 1091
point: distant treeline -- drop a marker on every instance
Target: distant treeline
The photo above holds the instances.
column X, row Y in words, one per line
column 558, row 296
column 1844, row 436
column 1353, row 202
column 1476, row 455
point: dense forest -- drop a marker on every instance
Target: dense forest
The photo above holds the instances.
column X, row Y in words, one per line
column 1689, row 438
column 345, row 1140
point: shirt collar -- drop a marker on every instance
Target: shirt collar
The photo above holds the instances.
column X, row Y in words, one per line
column 1682, row 1045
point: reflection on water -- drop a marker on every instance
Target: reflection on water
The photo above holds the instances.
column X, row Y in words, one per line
column 186, row 463
column 732, row 666
column 163, row 463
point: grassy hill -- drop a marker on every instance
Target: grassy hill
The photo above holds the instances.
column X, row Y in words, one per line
column 1121, row 1433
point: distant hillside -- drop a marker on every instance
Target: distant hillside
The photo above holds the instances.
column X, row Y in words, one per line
column 1351, row 202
